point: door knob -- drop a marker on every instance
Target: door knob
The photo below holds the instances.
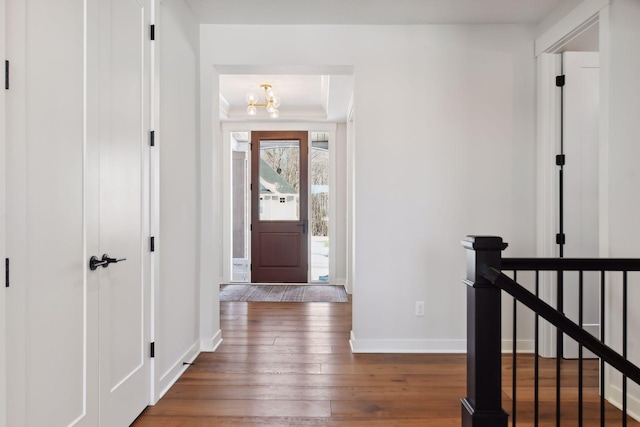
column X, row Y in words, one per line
column 108, row 260
column 94, row 262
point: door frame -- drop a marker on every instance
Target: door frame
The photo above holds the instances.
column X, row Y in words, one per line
column 227, row 215
column 548, row 64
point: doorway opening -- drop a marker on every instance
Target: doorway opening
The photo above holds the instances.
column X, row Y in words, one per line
column 280, row 202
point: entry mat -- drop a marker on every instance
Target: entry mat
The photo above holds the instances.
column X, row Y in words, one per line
column 283, row 293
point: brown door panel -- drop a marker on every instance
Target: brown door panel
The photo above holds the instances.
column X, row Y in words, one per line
column 279, row 248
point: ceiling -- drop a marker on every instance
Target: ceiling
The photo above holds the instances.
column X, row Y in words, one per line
column 372, row 11
column 325, row 96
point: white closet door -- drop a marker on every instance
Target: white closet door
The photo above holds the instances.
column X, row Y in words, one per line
column 48, row 300
column 123, row 211
column 581, row 176
column 3, row 235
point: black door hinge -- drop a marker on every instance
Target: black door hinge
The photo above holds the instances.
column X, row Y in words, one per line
column 560, row 81
column 152, row 352
column 152, row 138
column 560, row 160
column 153, row 32
column 153, row 244
column 250, row 227
column 6, row 272
column 6, row 75
column 560, row 239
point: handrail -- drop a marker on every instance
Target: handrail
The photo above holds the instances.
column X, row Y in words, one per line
column 571, row 264
column 559, row 320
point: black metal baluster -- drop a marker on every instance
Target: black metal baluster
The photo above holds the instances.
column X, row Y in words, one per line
column 559, row 347
column 535, row 360
column 602, row 336
column 624, row 346
column 580, row 322
column 560, row 240
column 513, row 357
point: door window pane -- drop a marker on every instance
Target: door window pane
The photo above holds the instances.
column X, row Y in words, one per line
column 279, row 180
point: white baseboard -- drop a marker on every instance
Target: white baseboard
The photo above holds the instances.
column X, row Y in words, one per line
column 406, row 345
column 213, row 343
column 426, row 345
column 614, row 396
column 174, row 372
column 523, row 346
column 341, row 281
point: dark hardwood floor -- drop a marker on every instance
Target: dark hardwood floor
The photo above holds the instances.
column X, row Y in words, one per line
column 290, row 364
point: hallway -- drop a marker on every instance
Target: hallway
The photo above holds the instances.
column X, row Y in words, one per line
column 290, row 364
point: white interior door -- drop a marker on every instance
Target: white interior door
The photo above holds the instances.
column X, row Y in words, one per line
column 3, row 235
column 123, row 230
column 48, row 302
column 581, row 200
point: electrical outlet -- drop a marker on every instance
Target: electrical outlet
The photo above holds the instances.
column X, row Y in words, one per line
column 419, row 308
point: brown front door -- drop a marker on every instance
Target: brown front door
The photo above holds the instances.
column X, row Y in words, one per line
column 279, row 244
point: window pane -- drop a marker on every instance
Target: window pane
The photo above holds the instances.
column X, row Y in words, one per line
column 240, row 204
column 280, row 180
column 319, row 208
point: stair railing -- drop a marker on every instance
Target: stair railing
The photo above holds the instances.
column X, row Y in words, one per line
column 482, row 407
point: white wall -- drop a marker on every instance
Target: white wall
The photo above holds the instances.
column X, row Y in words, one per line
column 624, row 173
column 177, row 292
column 445, row 132
column 211, row 213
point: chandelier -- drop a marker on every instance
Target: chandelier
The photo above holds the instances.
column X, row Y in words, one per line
column 271, row 102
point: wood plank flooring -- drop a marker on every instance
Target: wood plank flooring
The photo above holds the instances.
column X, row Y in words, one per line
column 290, row 364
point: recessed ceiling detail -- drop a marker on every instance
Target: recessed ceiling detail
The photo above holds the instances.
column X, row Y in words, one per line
column 304, row 97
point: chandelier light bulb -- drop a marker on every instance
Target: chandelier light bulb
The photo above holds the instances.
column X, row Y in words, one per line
column 271, row 108
column 252, row 110
column 275, row 114
column 269, row 93
column 251, row 98
column 275, row 101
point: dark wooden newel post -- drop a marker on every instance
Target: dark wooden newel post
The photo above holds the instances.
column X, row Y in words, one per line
column 483, row 405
